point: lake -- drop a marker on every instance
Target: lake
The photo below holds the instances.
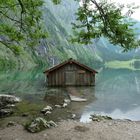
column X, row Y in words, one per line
column 116, row 94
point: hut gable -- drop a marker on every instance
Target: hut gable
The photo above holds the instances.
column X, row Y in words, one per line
column 70, row 73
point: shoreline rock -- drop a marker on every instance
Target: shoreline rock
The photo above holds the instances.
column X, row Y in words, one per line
column 39, row 124
column 7, row 103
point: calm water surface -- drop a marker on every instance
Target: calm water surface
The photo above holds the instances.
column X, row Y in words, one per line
column 117, row 92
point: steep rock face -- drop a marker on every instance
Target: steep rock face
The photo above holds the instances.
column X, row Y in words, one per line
column 59, row 18
column 9, row 60
column 57, row 47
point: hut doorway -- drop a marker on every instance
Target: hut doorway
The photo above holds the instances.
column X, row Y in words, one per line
column 81, row 78
column 70, row 78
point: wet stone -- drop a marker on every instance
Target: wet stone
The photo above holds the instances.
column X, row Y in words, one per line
column 58, row 106
column 47, row 110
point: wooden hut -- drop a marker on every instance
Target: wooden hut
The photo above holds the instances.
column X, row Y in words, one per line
column 70, row 73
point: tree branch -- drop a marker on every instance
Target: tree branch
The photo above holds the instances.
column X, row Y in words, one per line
column 21, row 14
column 4, row 7
column 4, row 14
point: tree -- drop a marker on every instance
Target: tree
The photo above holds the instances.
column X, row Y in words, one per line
column 21, row 23
column 105, row 18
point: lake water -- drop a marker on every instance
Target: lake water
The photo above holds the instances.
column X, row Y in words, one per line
column 116, row 94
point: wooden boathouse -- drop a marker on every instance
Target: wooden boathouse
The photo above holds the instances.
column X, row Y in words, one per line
column 70, row 73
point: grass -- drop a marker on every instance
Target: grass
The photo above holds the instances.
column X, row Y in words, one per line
column 122, row 64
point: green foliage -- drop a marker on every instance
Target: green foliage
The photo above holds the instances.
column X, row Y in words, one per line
column 104, row 18
column 21, row 22
column 56, row 1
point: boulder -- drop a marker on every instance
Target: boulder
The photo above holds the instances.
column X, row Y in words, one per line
column 8, row 100
column 77, row 99
column 39, row 124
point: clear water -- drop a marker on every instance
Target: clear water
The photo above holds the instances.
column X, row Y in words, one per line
column 117, row 95
column 117, row 92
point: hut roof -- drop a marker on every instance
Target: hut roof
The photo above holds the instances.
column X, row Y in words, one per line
column 70, row 61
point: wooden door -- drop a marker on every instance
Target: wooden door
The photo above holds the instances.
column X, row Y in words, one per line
column 81, row 79
column 70, row 78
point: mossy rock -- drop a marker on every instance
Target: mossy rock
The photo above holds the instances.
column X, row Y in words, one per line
column 99, row 118
column 38, row 125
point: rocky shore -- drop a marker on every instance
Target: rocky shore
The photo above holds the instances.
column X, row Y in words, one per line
column 74, row 130
column 30, row 124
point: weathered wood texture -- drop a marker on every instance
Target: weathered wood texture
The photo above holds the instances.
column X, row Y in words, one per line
column 70, row 75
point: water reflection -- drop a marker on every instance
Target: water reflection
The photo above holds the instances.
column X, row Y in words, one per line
column 57, row 96
column 21, row 83
column 118, row 95
column 117, row 92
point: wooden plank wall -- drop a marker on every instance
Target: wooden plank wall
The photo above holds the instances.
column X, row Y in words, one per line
column 57, row 77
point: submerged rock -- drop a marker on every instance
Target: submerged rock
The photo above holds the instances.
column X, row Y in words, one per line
column 47, row 110
column 77, row 99
column 73, row 116
column 67, row 101
column 58, row 106
column 65, row 105
column 39, row 124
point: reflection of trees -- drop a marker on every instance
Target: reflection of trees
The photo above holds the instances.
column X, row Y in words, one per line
column 28, row 81
column 116, row 88
column 136, row 64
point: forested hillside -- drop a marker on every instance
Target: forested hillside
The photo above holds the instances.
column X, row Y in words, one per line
column 58, row 47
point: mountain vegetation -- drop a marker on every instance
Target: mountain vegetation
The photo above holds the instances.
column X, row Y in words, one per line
column 38, row 32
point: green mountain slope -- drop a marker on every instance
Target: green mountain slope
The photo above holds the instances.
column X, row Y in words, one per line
column 57, row 47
